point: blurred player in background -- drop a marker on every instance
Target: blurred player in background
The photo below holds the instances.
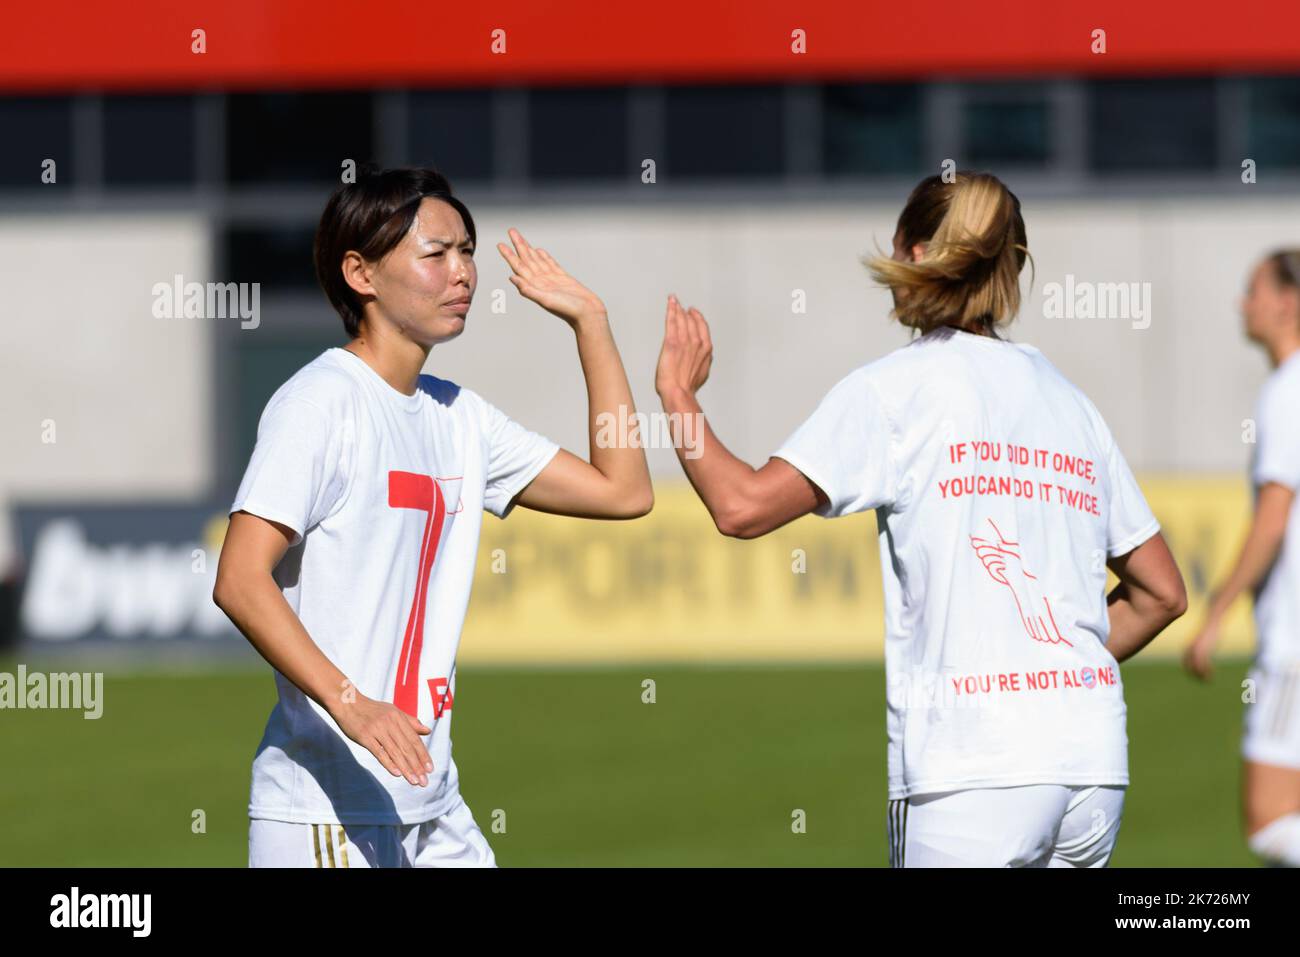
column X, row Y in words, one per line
column 1269, row 567
column 354, row 534
column 1001, row 497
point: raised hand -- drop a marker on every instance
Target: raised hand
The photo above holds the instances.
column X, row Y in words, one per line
column 687, row 352
column 540, row 278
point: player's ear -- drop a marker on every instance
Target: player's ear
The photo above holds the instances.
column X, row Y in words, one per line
column 358, row 273
column 1291, row 300
column 918, row 252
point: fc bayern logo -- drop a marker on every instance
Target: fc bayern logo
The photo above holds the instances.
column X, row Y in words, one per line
column 1089, row 677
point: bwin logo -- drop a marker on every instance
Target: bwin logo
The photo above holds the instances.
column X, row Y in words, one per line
column 102, row 910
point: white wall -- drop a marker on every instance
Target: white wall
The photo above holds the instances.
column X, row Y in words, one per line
column 1175, row 393
column 128, row 394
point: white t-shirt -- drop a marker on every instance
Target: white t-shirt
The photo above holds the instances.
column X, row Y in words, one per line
column 1277, row 459
column 384, row 493
column 993, row 558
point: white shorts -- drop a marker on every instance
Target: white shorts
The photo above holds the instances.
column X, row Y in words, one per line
column 1038, row 825
column 1272, row 723
column 452, row 840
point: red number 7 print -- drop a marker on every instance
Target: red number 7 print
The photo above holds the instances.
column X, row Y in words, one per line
column 412, row 490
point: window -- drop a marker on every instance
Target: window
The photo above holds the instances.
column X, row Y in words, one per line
column 1006, row 126
column 1273, row 122
column 724, row 132
column 452, row 132
column 579, row 134
column 35, row 129
column 148, row 140
column 278, row 257
column 870, row 130
column 292, row 138
column 1157, row 125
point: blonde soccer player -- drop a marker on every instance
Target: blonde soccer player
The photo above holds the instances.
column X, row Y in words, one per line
column 354, row 533
column 1269, row 567
column 1001, row 498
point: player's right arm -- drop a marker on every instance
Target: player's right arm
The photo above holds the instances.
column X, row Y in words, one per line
column 248, row 593
column 1149, row 597
column 1258, row 552
column 744, row 502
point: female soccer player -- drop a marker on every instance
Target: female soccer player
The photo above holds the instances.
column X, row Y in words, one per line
column 1001, row 498
column 353, row 537
column 1269, row 566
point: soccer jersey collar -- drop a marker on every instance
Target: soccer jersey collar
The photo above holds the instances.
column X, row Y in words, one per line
column 409, row 403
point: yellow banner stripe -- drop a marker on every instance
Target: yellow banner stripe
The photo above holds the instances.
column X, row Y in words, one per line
column 668, row 587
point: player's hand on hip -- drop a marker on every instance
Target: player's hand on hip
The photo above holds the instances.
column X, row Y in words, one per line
column 389, row 733
column 687, row 352
column 540, row 278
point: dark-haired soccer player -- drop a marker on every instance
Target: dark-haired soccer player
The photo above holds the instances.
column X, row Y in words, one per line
column 353, row 536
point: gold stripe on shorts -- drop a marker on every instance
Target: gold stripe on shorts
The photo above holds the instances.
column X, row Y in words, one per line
column 315, row 844
column 343, row 844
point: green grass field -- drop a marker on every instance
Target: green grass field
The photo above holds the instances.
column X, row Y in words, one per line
column 587, row 774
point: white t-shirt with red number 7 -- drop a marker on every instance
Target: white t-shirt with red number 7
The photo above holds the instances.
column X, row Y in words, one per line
column 385, row 494
column 999, row 494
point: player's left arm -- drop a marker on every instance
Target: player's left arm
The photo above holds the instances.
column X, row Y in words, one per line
column 1261, row 548
column 615, row 483
column 743, row 501
column 1150, row 596
column 1258, row 553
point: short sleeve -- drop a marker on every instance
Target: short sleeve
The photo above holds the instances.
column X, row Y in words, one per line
column 846, row 448
column 1277, row 439
column 298, row 471
column 515, row 457
column 1129, row 520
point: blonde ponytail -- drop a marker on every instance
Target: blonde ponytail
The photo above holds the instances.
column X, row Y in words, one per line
column 975, row 248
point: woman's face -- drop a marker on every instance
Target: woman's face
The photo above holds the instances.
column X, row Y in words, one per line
column 1268, row 306
column 424, row 285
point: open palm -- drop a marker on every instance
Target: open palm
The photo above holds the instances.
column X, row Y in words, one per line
column 687, row 353
column 540, row 278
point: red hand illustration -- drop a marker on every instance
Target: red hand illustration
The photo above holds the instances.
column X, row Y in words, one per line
column 1001, row 559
